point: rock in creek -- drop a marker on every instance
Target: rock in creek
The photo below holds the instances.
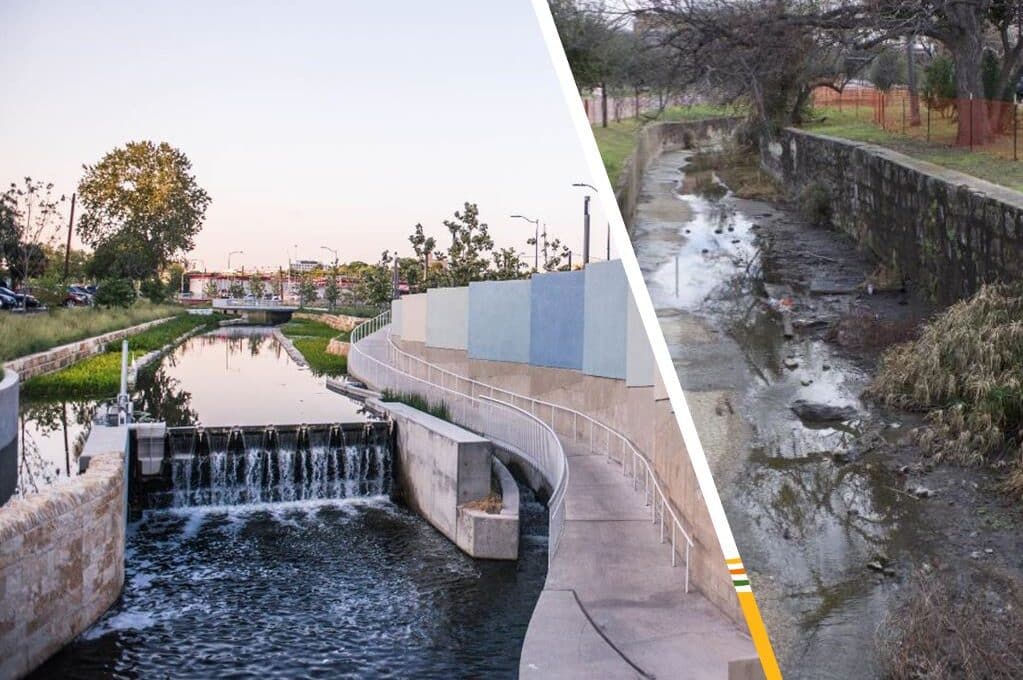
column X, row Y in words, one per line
column 813, row 412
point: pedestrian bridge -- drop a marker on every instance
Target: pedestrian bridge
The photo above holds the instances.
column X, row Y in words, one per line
column 257, row 311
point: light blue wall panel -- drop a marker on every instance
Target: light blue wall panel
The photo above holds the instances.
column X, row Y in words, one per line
column 447, row 318
column 499, row 320
column 556, row 320
column 640, row 367
column 606, row 294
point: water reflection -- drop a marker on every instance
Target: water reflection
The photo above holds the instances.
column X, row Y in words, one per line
column 50, row 439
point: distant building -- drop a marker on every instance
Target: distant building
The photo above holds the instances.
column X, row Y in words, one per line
column 303, row 266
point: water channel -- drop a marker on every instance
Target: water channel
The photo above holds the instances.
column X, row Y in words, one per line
column 290, row 559
column 809, row 503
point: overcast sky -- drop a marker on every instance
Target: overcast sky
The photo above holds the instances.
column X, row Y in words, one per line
column 310, row 123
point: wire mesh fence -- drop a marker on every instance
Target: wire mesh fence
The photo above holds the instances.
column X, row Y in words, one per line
column 967, row 123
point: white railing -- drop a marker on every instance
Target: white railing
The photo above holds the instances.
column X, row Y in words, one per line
column 562, row 421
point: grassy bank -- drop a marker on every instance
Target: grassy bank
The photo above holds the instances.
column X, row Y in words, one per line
column 100, row 375
column 418, row 402
column 979, row 164
column 617, row 140
column 311, row 339
column 22, row 334
column 965, row 371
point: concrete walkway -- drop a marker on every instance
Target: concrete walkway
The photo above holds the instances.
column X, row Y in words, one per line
column 612, row 605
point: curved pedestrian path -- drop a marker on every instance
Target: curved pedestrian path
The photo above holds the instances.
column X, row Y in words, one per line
column 613, row 606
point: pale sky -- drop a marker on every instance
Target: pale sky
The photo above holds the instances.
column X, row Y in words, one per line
column 310, row 123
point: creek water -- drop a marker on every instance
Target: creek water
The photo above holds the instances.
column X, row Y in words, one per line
column 291, row 559
column 807, row 503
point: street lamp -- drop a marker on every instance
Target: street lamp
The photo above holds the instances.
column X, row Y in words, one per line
column 333, row 271
column 586, row 220
column 536, row 240
column 233, row 252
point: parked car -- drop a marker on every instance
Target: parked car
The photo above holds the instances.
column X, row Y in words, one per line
column 24, row 300
column 76, row 297
column 7, row 301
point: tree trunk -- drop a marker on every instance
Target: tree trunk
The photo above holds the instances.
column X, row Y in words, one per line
column 914, row 96
column 603, row 105
column 974, row 127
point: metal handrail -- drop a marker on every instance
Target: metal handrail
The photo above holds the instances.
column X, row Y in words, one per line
column 534, row 440
column 653, row 492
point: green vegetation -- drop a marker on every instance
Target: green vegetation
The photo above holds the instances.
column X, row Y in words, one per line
column 617, row 140
column 419, row 402
column 26, row 334
column 311, row 339
column 966, row 372
column 100, row 375
column 981, row 164
column 738, row 168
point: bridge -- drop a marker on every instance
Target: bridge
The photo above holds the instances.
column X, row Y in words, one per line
column 257, row 311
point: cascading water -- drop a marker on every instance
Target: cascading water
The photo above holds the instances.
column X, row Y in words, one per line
column 314, row 464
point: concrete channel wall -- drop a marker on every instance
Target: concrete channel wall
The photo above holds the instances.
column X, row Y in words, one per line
column 946, row 232
column 653, row 140
column 9, row 385
column 65, row 355
column 61, row 562
column 441, row 467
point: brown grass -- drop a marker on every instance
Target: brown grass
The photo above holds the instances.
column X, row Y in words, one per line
column 490, row 504
column 966, row 372
column 942, row 632
column 740, row 169
column 863, row 329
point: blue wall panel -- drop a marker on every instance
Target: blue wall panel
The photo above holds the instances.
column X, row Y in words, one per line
column 499, row 320
column 605, row 325
column 556, row 320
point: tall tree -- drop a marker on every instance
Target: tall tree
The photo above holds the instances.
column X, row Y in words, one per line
column 144, row 194
column 471, row 245
column 29, row 220
column 256, row 286
column 332, row 292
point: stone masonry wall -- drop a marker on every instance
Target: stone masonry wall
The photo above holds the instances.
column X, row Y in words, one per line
column 339, row 322
column 653, row 140
column 946, row 232
column 61, row 563
column 65, row 355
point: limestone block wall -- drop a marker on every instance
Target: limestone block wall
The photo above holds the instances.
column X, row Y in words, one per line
column 447, row 318
column 947, row 232
column 65, row 355
column 9, row 385
column 499, row 320
column 61, row 563
column 339, row 322
column 651, row 142
column 606, row 301
column 557, row 308
column 413, row 317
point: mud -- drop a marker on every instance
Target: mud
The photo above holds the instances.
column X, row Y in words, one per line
column 762, row 310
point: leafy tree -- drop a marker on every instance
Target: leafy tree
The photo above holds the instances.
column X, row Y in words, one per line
column 278, row 285
column 175, row 278
column 306, row 290
column 470, row 246
column 256, row 286
column 424, row 247
column 210, row 290
column 332, row 292
column 508, row 265
column 236, row 289
column 29, row 215
column 888, row 70
column 376, row 285
column 154, row 290
column 142, row 197
column 115, row 293
column 122, row 257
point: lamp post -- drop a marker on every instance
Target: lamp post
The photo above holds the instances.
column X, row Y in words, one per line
column 233, row 252
column 536, row 239
column 333, row 270
column 586, row 220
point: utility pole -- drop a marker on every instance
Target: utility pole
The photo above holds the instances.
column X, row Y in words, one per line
column 67, row 250
column 394, row 278
column 536, row 239
column 586, row 220
column 608, row 241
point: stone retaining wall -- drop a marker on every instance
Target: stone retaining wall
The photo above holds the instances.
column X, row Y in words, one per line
column 946, row 232
column 338, row 347
column 339, row 322
column 61, row 357
column 61, row 563
column 653, row 140
column 9, row 385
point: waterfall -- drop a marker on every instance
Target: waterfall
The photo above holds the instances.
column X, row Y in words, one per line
column 277, row 466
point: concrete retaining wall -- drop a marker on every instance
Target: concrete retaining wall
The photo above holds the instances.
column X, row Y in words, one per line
column 640, row 367
column 413, row 317
column 605, row 320
column 653, row 140
column 65, row 355
column 9, row 386
column 499, row 320
column 947, row 232
column 439, row 468
column 556, row 319
column 61, row 563
column 396, row 317
column 447, row 318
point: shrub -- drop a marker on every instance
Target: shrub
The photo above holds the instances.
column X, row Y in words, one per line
column 419, row 402
column 115, row 293
column 154, row 290
column 815, row 203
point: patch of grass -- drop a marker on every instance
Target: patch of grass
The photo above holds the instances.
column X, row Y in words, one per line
column 981, row 164
column 740, row 170
column 617, row 140
column 966, row 371
column 100, row 375
column 360, row 311
column 320, row 361
column 22, row 334
column 418, row 402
